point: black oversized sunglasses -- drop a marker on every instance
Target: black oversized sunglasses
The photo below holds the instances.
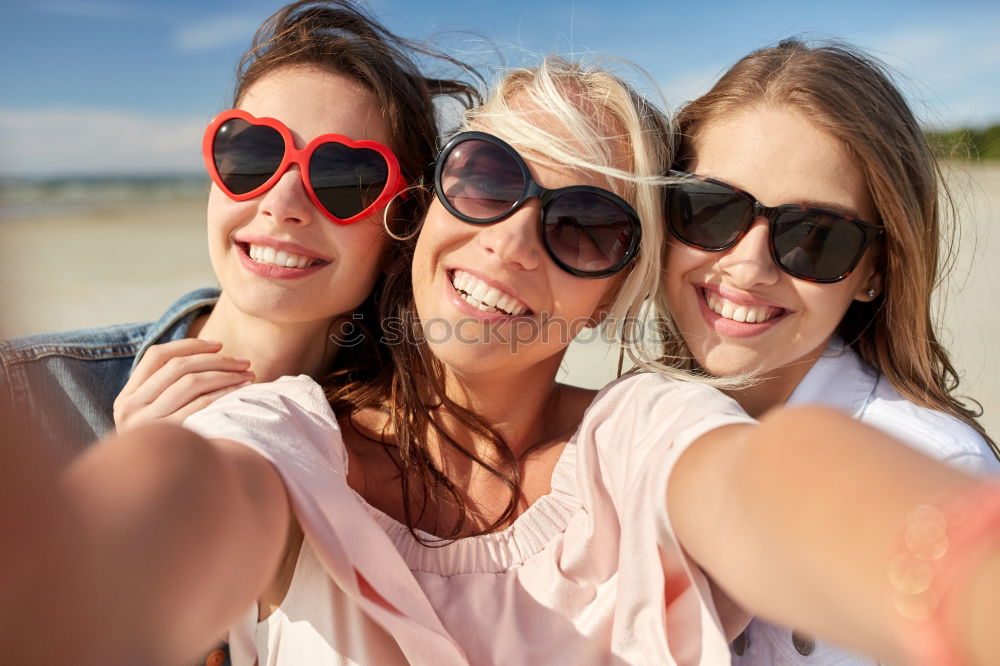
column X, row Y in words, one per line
column 808, row 243
column 588, row 231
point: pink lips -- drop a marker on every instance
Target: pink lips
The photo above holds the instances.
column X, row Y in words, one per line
column 730, row 328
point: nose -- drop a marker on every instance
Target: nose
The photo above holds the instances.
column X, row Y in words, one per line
column 749, row 262
column 287, row 200
column 514, row 239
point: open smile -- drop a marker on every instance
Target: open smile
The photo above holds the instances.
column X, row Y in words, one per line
column 737, row 320
column 277, row 262
column 485, row 297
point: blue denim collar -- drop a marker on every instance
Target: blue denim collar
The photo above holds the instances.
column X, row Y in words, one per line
column 176, row 321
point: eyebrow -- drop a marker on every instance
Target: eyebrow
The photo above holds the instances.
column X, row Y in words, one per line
column 839, row 209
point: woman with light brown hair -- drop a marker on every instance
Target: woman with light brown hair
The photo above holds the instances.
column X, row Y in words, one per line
column 806, row 227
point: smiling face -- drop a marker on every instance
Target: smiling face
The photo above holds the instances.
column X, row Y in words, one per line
column 736, row 309
column 276, row 256
column 490, row 298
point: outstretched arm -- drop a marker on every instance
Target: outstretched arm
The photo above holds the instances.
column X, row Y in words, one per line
column 182, row 534
column 797, row 520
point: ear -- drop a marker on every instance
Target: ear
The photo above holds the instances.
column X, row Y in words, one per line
column 870, row 289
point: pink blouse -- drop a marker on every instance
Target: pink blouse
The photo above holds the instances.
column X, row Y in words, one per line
column 590, row 574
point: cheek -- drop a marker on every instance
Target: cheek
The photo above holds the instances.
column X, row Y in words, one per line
column 363, row 238
column 680, row 262
column 223, row 213
column 438, row 232
column 827, row 303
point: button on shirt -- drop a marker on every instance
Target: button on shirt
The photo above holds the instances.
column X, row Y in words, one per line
column 841, row 379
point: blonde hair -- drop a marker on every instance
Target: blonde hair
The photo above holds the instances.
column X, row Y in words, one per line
column 606, row 127
column 850, row 95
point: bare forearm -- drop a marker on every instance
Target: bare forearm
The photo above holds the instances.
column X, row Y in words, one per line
column 811, row 506
column 183, row 533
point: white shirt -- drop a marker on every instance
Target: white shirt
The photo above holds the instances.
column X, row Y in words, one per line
column 841, row 379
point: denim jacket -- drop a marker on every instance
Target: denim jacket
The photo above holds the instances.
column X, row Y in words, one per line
column 66, row 383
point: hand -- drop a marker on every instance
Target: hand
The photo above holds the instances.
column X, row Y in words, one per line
column 176, row 379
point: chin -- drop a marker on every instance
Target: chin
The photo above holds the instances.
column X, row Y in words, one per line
column 729, row 362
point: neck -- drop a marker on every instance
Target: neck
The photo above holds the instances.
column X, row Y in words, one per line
column 775, row 387
column 520, row 405
column 275, row 349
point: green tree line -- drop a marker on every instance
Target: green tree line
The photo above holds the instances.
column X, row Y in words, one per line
column 967, row 144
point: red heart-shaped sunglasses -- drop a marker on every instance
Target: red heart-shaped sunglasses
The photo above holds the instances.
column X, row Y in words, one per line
column 346, row 179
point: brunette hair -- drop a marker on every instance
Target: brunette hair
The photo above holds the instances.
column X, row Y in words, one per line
column 851, row 95
column 606, row 127
column 338, row 36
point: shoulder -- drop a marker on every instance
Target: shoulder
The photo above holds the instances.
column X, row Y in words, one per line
column 934, row 433
column 653, row 409
column 284, row 398
column 288, row 417
column 85, row 344
column 660, row 396
column 108, row 342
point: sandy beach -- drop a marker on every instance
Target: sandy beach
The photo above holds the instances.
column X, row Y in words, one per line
column 125, row 262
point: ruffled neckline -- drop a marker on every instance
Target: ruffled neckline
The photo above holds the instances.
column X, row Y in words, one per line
column 495, row 552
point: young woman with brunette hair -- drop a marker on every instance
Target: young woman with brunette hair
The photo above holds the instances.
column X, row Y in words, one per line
column 325, row 96
column 821, row 292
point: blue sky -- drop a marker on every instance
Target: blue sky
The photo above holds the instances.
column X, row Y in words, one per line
column 115, row 86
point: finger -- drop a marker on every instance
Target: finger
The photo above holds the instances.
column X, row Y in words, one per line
column 192, row 386
column 177, row 367
column 157, row 355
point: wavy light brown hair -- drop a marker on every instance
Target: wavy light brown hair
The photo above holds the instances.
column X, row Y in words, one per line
column 851, row 95
column 613, row 131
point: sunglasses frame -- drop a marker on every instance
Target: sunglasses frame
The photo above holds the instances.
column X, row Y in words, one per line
column 532, row 190
column 394, row 185
column 871, row 230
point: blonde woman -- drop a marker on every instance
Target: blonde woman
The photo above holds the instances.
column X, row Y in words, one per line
column 805, row 248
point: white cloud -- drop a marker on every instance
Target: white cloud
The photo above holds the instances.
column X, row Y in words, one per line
column 949, row 69
column 95, row 141
column 215, row 32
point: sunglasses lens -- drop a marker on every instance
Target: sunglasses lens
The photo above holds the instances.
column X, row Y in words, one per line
column 588, row 232
column 817, row 246
column 481, row 181
column 706, row 215
column 347, row 180
column 246, row 155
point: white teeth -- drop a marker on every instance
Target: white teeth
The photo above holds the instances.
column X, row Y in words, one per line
column 749, row 314
column 485, row 297
column 268, row 255
column 479, row 290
